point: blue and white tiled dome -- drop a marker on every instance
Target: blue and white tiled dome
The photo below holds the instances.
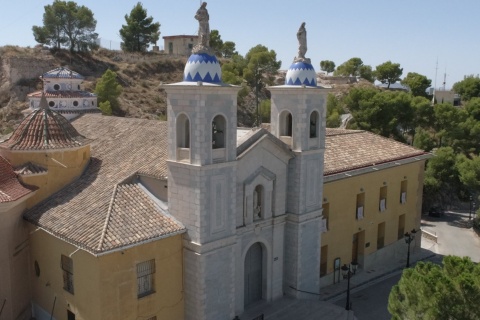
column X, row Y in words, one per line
column 301, row 73
column 202, row 67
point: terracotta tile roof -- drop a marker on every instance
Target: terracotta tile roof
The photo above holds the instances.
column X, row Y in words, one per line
column 134, row 216
column 29, row 168
column 352, row 149
column 10, row 187
column 44, row 129
column 89, row 212
column 49, row 94
column 62, row 72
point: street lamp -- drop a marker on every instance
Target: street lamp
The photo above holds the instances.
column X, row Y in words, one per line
column 257, row 84
column 470, row 212
column 347, row 272
column 408, row 239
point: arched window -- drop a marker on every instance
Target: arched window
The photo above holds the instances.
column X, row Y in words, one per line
column 183, row 131
column 314, row 124
column 218, row 132
column 286, row 124
column 258, row 202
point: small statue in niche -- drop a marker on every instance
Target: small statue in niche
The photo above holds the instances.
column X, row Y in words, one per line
column 257, row 203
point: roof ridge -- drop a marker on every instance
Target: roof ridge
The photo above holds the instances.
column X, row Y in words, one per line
column 107, row 218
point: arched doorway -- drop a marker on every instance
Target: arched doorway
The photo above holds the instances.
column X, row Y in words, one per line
column 253, row 282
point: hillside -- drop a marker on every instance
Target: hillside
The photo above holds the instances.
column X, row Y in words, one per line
column 139, row 74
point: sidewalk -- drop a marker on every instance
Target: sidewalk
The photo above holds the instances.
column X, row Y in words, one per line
column 364, row 278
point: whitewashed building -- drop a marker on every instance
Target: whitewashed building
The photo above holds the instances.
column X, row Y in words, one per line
column 64, row 94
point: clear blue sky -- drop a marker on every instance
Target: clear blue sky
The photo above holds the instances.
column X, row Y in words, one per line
column 414, row 33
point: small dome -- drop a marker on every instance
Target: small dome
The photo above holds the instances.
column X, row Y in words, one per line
column 44, row 129
column 63, row 73
column 301, row 73
column 202, row 67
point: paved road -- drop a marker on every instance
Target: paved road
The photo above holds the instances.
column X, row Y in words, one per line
column 371, row 303
column 454, row 234
column 454, row 238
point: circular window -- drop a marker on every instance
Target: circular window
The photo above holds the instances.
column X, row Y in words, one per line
column 37, row 268
column 51, row 103
column 75, row 103
column 56, row 87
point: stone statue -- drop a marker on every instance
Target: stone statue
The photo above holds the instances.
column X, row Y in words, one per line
column 302, row 44
column 203, row 18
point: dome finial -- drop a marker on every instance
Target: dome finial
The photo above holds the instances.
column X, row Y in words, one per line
column 43, row 102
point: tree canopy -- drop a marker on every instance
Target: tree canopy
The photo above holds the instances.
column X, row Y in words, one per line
column 108, row 90
column 388, row 72
column 417, row 83
column 67, row 24
column 468, row 88
column 327, row 66
column 222, row 49
column 139, row 31
column 434, row 292
column 355, row 67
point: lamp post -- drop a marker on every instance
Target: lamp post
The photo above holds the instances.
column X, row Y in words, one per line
column 347, row 272
column 470, row 212
column 409, row 236
column 257, row 84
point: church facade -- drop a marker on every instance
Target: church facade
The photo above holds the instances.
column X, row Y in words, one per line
column 194, row 218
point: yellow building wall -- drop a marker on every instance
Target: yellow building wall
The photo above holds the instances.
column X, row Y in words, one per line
column 341, row 196
column 14, row 262
column 63, row 167
column 105, row 287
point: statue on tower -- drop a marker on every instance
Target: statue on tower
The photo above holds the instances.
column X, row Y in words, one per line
column 302, row 44
column 203, row 45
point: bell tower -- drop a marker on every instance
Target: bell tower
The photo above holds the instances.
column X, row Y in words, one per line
column 202, row 122
column 298, row 119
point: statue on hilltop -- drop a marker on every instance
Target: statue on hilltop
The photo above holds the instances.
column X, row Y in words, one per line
column 302, row 44
column 203, row 45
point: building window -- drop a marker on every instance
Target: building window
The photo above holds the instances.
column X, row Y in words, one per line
column 381, row 235
column 67, row 268
column 401, row 227
column 323, row 260
column 286, row 122
column 145, row 281
column 70, row 315
column 183, row 131
column 218, row 132
column 258, row 202
column 170, row 47
column 359, row 212
column 382, row 206
column 326, row 213
column 56, row 87
column 314, row 124
column 403, row 192
column 75, row 103
column 51, row 104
